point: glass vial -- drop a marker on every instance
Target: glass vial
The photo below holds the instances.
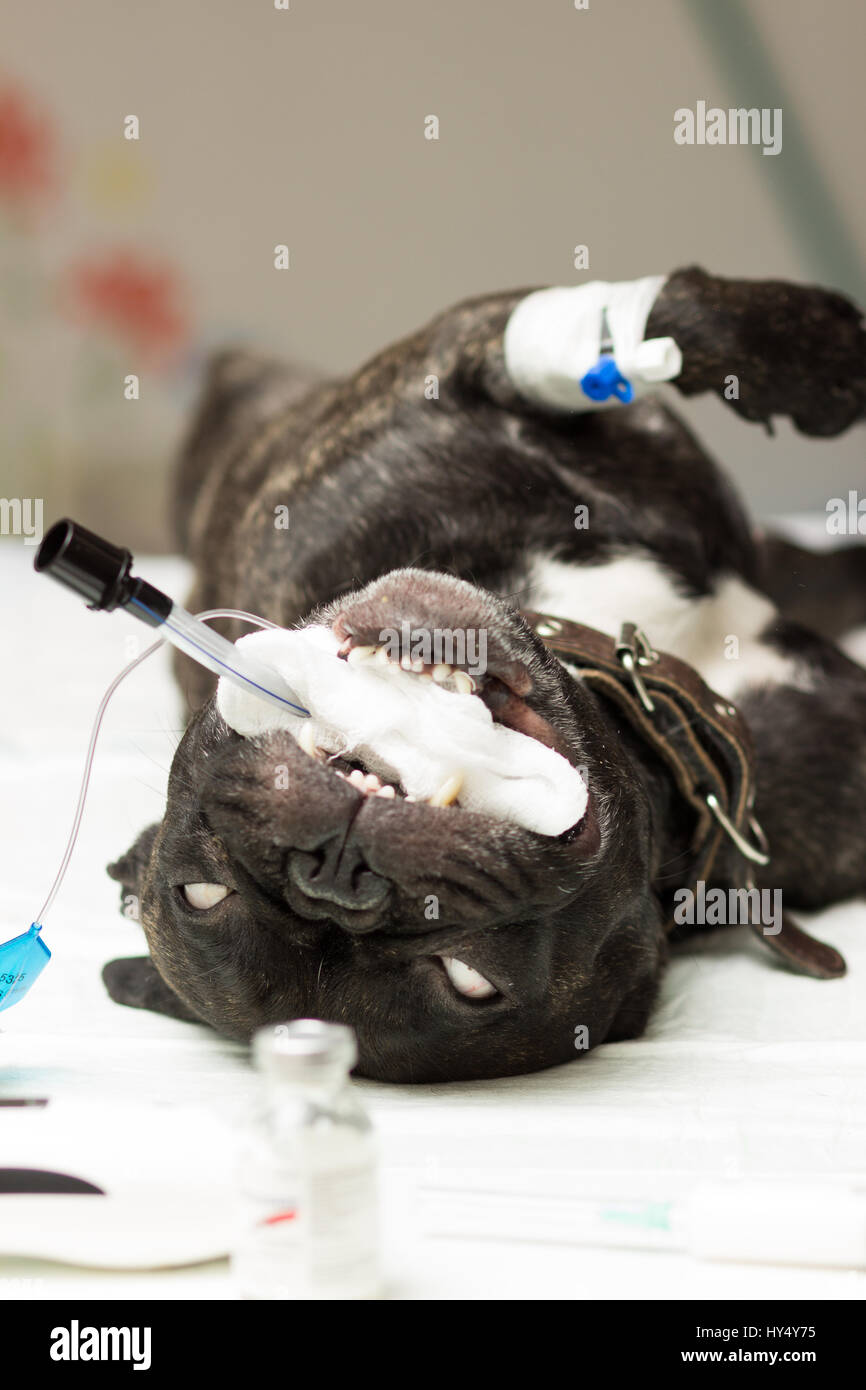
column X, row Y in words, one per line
column 308, row 1219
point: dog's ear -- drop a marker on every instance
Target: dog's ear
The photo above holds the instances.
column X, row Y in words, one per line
column 129, row 869
column 136, row 982
column 241, row 391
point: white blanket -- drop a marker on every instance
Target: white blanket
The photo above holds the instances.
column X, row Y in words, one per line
column 745, row 1068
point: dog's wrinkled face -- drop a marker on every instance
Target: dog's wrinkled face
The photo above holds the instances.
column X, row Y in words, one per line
column 282, row 884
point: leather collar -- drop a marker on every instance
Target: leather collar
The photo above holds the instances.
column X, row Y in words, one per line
column 704, row 742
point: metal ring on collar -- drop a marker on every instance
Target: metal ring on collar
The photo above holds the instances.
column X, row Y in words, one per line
column 633, row 650
column 757, row 855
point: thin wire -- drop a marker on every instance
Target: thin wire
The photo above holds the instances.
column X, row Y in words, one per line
column 97, row 723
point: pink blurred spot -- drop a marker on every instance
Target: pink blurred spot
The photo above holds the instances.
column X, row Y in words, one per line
column 27, row 149
column 139, row 301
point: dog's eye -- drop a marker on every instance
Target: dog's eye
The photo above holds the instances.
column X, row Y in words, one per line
column 205, row 895
column 467, row 981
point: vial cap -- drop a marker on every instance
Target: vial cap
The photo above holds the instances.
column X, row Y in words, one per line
column 304, row 1047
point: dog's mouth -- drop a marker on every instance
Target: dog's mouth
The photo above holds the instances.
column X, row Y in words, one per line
column 502, row 685
column 423, row 793
column 502, row 690
column 492, row 734
column 372, row 776
column 357, row 771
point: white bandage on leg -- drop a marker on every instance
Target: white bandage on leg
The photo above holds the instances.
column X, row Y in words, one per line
column 554, row 337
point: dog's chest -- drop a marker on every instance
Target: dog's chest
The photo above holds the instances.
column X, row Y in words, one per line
column 719, row 634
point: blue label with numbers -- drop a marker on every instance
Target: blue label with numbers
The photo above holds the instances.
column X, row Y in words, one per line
column 22, row 961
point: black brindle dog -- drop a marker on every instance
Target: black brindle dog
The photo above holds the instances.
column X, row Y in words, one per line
column 456, row 508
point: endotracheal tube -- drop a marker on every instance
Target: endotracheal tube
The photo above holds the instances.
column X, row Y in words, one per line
column 100, row 573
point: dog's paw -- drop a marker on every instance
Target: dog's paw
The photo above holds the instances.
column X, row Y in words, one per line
column 136, row 982
column 804, row 355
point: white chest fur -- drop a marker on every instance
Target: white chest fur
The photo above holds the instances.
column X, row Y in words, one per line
column 720, row 635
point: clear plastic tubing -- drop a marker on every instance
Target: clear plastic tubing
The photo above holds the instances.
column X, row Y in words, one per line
column 219, row 655
column 198, row 624
column 101, row 573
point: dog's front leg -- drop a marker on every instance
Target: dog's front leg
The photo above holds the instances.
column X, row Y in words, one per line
column 765, row 347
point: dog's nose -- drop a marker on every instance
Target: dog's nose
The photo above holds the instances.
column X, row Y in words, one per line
column 337, row 872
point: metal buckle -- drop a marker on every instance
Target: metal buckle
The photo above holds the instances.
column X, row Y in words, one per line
column 632, row 651
column 757, row 856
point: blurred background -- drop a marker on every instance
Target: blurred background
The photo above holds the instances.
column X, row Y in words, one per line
column 306, row 126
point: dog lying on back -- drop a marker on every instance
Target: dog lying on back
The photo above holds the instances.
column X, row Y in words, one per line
column 432, row 489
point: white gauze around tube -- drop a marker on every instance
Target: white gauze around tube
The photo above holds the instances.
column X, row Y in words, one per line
column 407, row 729
column 553, row 337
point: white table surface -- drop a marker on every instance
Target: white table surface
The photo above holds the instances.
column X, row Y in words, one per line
column 745, row 1071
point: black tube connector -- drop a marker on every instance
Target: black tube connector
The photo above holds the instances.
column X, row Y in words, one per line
column 100, row 572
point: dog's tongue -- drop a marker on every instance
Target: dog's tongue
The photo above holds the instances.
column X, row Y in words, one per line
column 405, row 728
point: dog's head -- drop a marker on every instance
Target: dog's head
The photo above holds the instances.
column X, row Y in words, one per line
column 282, row 884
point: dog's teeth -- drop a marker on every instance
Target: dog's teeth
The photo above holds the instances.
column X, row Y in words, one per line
column 387, row 792
column 356, row 777
column 448, row 792
column 307, row 738
column 464, row 683
column 358, row 655
column 441, row 673
column 372, row 782
column 417, row 665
